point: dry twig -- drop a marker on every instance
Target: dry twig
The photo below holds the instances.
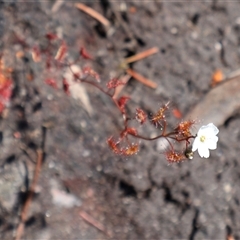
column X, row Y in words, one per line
column 134, row 74
column 57, row 5
column 94, row 222
column 93, row 14
column 141, row 78
column 142, row 55
column 25, row 208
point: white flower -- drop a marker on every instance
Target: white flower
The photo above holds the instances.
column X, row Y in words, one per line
column 206, row 139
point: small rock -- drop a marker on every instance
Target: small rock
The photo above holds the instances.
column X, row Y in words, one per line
column 63, row 199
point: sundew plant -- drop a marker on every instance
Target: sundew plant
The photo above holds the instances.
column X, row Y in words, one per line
column 125, row 142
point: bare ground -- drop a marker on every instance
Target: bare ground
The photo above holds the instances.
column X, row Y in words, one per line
column 141, row 197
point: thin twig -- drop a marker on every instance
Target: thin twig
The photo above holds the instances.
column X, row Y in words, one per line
column 93, row 14
column 57, row 5
column 25, row 208
column 142, row 55
column 141, row 78
column 94, row 222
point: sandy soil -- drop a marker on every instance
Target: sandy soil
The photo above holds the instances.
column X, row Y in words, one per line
column 85, row 191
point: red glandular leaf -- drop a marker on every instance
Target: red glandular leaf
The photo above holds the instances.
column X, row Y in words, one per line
column 90, row 72
column 159, row 116
column 183, row 129
column 141, row 116
column 130, row 150
column 113, row 83
column 113, row 145
column 174, row 157
column 131, row 131
column 122, row 102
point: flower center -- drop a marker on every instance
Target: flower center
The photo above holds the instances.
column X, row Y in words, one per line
column 202, row 138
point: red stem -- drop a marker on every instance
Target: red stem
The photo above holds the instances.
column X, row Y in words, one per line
column 169, row 143
column 162, row 135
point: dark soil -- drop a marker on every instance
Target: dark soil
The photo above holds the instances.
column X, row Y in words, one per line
column 139, row 197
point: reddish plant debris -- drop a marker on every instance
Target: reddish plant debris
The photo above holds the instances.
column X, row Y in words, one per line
column 30, row 75
column 83, row 52
column 51, row 82
column 132, row 9
column 217, row 77
column 6, row 86
column 65, row 86
column 51, row 36
column 6, row 90
column 17, row 135
column 20, row 54
column 48, row 63
column 36, row 54
column 61, row 53
column 2, row 106
column 177, row 113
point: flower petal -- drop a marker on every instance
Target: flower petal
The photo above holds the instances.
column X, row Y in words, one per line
column 202, row 130
column 206, row 139
column 211, row 144
column 214, row 139
column 206, row 153
column 208, row 130
column 195, row 144
column 213, row 128
column 203, row 151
